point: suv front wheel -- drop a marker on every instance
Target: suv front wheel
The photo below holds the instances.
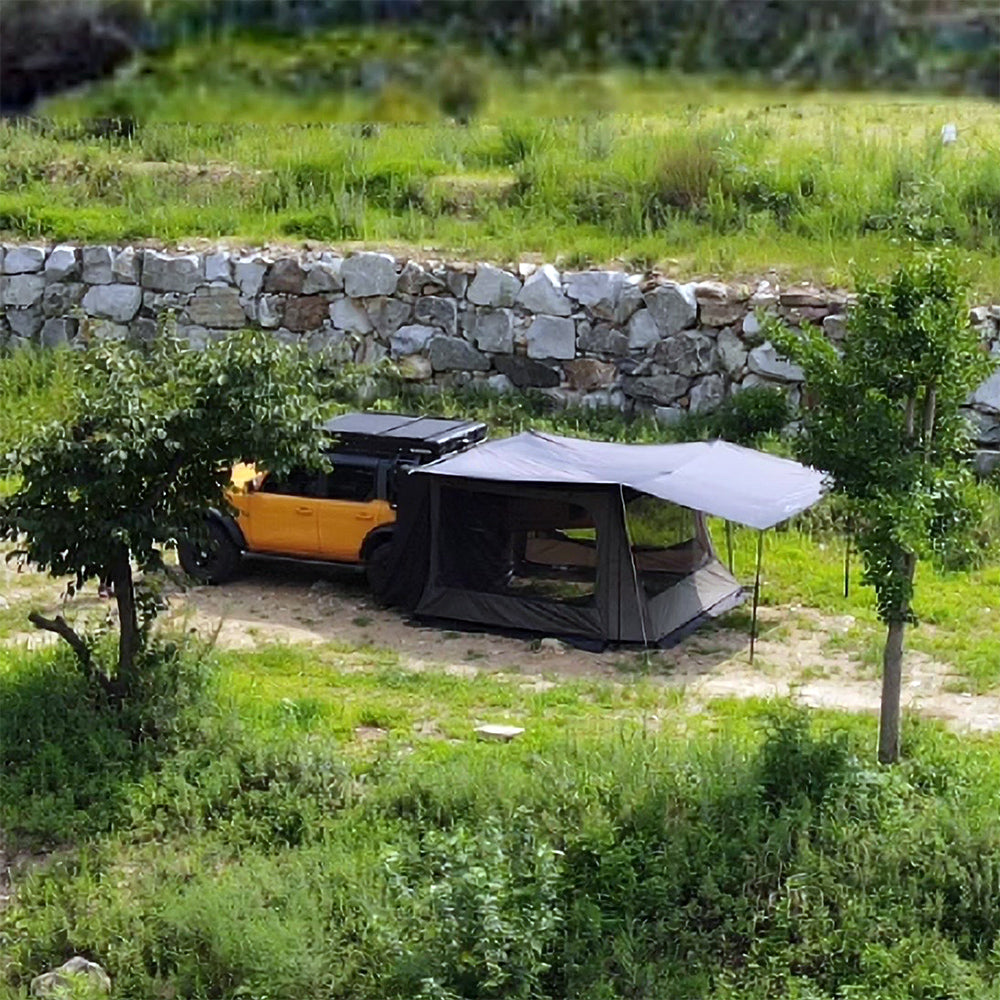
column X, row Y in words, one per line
column 215, row 561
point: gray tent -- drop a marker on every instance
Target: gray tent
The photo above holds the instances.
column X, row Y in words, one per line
column 588, row 540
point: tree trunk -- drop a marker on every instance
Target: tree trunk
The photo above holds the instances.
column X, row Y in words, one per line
column 892, row 668
column 892, row 682
column 128, row 621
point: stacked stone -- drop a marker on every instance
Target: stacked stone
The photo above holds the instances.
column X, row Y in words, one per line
column 984, row 403
column 592, row 338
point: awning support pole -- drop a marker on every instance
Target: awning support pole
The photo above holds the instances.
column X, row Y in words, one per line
column 640, row 603
column 729, row 544
column 756, row 595
column 847, row 567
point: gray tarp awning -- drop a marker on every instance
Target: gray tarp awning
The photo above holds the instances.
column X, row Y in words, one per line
column 739, row 484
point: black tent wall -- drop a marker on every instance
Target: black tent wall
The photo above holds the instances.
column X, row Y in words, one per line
column 510, row 611
column 444, row 522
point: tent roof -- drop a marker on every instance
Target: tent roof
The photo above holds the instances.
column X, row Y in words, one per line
column 739, row 484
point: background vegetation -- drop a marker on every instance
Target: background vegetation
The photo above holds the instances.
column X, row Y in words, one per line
column 49, row 45
column 712, row 182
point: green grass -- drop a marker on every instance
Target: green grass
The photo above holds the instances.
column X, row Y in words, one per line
column 335, row 689
column 248, row 845
column 620, row 168
column 35, row 387
column 956, row 611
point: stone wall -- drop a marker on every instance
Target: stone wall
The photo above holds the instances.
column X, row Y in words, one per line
column 592, row 338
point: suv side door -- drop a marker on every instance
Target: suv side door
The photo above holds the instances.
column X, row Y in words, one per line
column 354, row 504
column 281, row 516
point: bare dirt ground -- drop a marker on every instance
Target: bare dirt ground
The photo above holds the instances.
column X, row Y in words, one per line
column 798, row 653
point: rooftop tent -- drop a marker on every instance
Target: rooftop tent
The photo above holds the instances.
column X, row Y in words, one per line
column 592, row 541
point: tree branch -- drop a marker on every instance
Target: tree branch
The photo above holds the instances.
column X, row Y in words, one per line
column 62, row 628
column 911, row 411
column 930, row 408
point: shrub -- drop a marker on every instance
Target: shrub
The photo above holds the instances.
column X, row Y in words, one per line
column 249, row 791
column 69, row 757
column 461, row 86
column 795, row 766
column 480, row 911
column 753, row 413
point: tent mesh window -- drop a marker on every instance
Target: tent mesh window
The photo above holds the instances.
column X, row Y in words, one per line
column 668, row 542
column 519, row 546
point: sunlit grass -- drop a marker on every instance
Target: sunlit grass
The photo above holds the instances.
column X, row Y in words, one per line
column 336, row 690
column 682, row 175
column 957, row 612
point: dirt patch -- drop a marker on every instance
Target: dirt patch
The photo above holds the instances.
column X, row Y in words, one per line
column 301, row 605
column 298, row 604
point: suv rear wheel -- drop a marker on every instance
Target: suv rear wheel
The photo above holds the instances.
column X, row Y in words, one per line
column 378, row 567
column 216, row 561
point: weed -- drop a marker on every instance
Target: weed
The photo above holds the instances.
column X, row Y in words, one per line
column 685, row 174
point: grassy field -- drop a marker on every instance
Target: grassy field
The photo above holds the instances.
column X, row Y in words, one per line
column 239, row 834
column 635, row 170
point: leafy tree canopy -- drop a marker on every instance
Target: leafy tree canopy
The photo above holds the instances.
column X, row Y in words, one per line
column 884, row 417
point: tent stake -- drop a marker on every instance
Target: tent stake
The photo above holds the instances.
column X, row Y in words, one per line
column 847, row 567
column 756, row 595
column 729, row 544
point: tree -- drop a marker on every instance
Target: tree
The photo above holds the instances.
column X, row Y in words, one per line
column 149, row 449
column 884, row 420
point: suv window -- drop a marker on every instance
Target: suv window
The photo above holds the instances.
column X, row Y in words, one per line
column 347, row 482
column 298, row 483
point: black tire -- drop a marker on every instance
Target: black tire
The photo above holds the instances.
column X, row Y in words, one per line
column 378, row 568
column 216, row 562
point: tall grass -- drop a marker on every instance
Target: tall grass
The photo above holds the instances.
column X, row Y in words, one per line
column 35, row 387
column 730, row 182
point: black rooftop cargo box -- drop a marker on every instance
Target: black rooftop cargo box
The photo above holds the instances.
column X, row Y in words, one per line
column 396, row 435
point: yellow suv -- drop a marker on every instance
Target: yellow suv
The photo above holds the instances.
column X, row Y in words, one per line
column 342, row 514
